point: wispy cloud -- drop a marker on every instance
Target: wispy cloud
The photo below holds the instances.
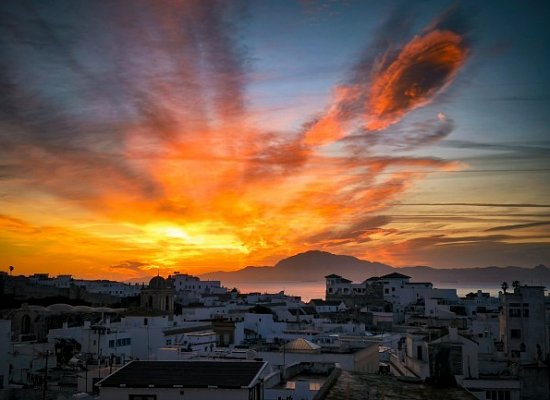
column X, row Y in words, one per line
column 388, row 85
column 517, row 226
column 139, row 118
column 471, row 251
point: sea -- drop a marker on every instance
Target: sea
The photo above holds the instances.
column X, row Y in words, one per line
column 316, row 289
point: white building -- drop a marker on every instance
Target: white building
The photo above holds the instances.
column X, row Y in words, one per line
column 28, row 360
column 523, row 324
column 5, row 340
column 394, row 288
column 112, row 288
column 201, row 338
column 109, row 287
column 98, row 340
column 60, row 281
column 362, row 359
column 328, row 306
column 191, row 287
column 449, row 355
column 137, row 337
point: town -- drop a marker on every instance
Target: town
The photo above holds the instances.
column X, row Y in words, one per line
column 182, row 337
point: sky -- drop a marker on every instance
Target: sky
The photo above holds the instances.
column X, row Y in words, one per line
column 145, row 137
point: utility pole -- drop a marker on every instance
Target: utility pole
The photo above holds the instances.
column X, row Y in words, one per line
column 45, row 377
column 99, row 329
column 86, row 375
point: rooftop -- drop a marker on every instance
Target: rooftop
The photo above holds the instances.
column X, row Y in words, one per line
column 301, row 345
column 372, row 386
column 395, row 275
column 190, row 374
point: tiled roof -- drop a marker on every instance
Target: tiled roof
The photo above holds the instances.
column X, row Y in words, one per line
column 301, row 345
column 190, row 374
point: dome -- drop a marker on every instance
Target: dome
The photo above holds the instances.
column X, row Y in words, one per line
column 60, row 308
column 158, row 282
column 302, row 345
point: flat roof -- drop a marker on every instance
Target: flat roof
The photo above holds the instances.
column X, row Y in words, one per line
column 185, row 374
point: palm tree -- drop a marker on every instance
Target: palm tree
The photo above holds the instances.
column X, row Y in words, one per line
column 11, row 269
column 515, row 284
column 504, row 286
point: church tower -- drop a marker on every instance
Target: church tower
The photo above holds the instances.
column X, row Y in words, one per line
column 158, row 296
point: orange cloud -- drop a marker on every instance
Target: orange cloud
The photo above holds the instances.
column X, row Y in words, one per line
column 392, row 85
column 424, row 67
column 164, row 169
column 334, row 124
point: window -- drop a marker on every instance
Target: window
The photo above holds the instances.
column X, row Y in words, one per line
column 515, row 333
column 142, row 397
column 386, row 291
column 497, row 395
column 456, row 360
column 111, row 343
column 123, row 342
column 393, row 289
column 145, row 321
column 526, row 312
column 419, row 352
column 515, row 312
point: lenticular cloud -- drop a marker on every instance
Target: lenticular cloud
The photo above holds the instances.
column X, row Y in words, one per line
column 424, row 67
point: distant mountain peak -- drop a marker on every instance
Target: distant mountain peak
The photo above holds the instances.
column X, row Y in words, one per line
column 318, row 257
column 314, row 265
column 307, row 266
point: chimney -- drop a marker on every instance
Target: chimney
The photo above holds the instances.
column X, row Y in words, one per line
column 453, row 334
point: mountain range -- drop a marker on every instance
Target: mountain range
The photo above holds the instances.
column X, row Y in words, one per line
column 313, row 266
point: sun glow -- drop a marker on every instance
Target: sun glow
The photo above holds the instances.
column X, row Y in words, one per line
column 198, row 236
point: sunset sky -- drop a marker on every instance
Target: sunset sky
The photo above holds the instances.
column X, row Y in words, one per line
column 145, row 136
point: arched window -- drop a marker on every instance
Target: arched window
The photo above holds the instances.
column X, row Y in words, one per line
column 150, row 302
column 167, row 303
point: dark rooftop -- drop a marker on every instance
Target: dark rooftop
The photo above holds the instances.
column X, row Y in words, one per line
column 190, row 374
column 189, row 329
column 373, row 386
column 395, row 275
column 321, row 302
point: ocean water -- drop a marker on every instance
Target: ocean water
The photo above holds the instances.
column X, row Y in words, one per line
column 316, row 290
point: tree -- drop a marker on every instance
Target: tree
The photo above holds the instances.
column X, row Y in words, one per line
column 504, row 286
column 11, row 269
column 515, row 284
